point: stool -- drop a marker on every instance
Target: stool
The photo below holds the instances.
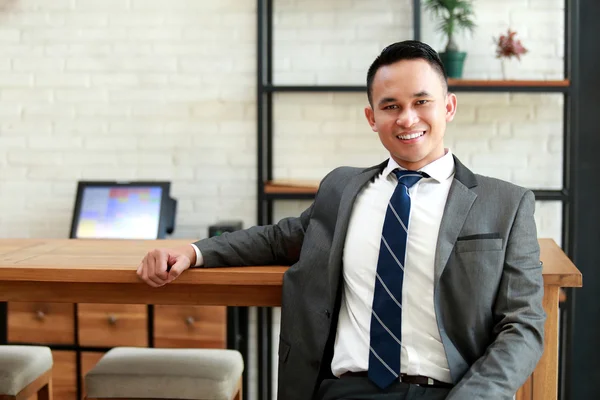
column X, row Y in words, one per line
column 148, row 373
column 25, row 371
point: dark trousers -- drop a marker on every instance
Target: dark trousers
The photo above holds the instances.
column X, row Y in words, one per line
column 361, row 388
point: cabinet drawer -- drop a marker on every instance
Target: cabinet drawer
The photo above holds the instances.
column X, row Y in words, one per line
column 190, row 326
column 43, row 323
column 88, row 361
column 110, row 325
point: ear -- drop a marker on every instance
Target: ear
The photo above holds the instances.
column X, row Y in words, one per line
column 450, row 106
column 370, row 115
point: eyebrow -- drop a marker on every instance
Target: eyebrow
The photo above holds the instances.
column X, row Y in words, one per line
column 422, row 93
column 386, row 100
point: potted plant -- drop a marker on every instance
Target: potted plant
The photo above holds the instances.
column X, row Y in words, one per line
column 507, row 47
column 455, row 15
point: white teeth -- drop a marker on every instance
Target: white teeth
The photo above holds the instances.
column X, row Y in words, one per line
column 411, row 136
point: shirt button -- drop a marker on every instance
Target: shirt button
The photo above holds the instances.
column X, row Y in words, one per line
column 327, row 314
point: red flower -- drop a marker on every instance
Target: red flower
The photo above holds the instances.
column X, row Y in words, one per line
column 508, row 46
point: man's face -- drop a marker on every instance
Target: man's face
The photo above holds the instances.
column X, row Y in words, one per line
column 410, row 111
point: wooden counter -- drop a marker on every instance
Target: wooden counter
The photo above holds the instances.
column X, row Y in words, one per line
column 98, row 271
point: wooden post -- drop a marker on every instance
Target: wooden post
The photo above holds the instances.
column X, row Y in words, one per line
column 545, row 375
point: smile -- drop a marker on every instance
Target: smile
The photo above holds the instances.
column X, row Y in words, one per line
column 411, row 135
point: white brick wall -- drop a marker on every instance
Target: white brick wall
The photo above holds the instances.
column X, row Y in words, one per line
column 500, row 135
column 539, row 25
column 334, row 41
column 165, row 89
column 127, row 89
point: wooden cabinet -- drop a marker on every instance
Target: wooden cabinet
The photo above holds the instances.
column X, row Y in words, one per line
column 100, row 327
column 110, row 325
column 190, row 326
column 44, row 323
column 64, row 375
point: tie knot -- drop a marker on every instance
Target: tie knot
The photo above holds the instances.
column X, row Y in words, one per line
column 407, row 178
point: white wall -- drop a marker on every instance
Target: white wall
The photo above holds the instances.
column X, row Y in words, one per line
column 517, row 137
column 539, row 23
column 126, row 89
column 165, row 89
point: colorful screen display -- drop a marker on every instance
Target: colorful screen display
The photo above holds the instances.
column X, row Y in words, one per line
column 119, row 213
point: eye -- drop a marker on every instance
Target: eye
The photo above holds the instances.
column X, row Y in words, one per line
column 421, row 102
column 390, row 107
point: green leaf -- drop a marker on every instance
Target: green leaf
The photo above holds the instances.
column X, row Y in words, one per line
column 453, row 15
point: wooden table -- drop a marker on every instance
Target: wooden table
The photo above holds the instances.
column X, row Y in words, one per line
column 103, row 271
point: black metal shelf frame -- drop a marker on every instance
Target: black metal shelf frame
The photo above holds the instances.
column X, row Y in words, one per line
column 266, row 88
column 453, row 88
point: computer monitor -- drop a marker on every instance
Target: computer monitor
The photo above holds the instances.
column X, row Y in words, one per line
column 123, row 210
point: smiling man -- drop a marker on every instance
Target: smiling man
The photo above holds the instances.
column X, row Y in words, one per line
column 412, row 279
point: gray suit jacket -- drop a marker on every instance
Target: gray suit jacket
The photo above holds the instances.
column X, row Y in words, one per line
column 488, row 282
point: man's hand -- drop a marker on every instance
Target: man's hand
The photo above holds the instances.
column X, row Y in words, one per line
column 153, row 268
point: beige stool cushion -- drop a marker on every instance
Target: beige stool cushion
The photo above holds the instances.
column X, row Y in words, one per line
column 165, row 373
column 21, row 365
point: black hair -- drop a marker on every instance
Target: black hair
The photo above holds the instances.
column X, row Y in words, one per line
column 406, row 50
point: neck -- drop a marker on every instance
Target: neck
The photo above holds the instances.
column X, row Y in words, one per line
column 417, row 165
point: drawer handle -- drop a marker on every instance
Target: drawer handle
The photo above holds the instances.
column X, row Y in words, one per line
column 112, row 320
column 190, row 321
column 40, row 315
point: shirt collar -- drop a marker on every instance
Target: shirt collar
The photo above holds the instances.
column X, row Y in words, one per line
column 440, row 169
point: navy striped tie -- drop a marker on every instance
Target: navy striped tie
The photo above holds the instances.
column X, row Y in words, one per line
column 386, row 316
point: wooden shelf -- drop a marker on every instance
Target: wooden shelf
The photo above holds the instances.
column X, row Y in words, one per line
column 291, row 187
column 304, row 189
column 508, row 83
column 510, row 86
column 477, row 85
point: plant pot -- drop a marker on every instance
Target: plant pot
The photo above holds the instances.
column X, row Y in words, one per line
column 453, row 63
column 509, row 68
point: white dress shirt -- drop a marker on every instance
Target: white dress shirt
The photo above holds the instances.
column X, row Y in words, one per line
column 422, row 350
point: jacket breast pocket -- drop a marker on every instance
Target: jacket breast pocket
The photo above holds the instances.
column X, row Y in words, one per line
column 473, row 245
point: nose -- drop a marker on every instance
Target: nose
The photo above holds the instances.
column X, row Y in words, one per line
column 407, row 118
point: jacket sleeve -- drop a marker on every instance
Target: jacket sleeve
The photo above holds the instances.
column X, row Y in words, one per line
column 519, row 318
column 277, row 244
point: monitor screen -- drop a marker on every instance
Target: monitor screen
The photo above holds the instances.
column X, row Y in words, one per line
column 119, row 212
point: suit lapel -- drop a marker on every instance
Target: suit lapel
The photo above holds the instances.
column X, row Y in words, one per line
column 459, row 202
column 351, row 190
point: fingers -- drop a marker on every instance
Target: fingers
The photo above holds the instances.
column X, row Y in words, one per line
column 140, row 267
column 157, row 267
column 153, row 268
column 145, row 277
column 181, row 264
column 160, row 264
